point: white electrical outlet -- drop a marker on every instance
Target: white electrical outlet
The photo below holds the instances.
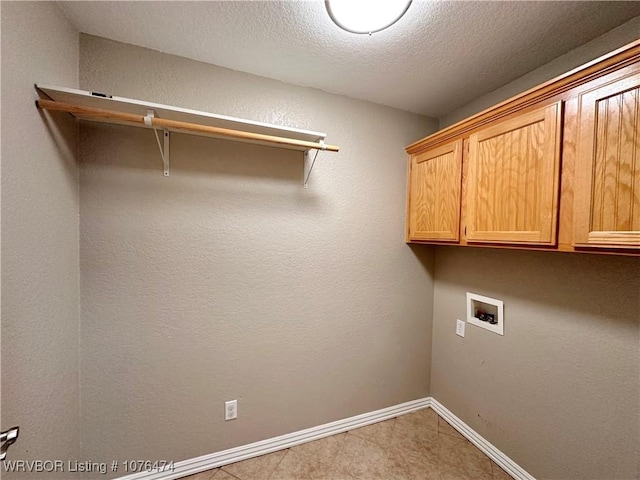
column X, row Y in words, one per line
column 460, row 328
column 230, row 409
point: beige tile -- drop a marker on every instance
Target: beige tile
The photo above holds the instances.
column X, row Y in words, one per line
column 259, row 468
column 298, row 467
column 499, row 473
column 323, row 450
column 362, row 459
column 413, row 434
column 414, row 465
column 444, row 427
column 379, row 433
column 222, row 475
column 332, row 474
column 460, row 460
column 425, row 418
column 206, row 475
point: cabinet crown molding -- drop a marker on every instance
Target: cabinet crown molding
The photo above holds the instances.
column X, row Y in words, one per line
column 599, row 67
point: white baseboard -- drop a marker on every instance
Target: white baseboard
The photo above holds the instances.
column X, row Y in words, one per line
column 213, row 460
column 508, row 465
column 225, row 457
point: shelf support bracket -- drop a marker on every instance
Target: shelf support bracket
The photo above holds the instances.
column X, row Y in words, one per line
column 164, row 152
column 308, row 166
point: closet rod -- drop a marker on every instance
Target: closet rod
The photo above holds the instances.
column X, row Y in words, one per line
column 99, row 113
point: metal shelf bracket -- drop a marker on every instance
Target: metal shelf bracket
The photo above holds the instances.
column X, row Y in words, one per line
column 308, row 166
column 164, row 152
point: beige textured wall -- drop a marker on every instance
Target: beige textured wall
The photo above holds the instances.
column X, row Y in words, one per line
column 40, row 268
column 616, row 38
column 559, row 392
column 228, row 280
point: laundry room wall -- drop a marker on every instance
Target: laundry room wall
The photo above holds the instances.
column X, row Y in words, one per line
column 40, row 234
column 558, row 393
column 229, row 280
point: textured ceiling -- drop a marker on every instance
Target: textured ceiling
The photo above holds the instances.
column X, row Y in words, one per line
column 438, row 57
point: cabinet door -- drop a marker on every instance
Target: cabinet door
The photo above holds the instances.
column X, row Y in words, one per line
column 512, row 179
column 607, row 189
column 434, row 194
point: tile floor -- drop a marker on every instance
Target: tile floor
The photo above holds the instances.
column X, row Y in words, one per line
column 416, row 446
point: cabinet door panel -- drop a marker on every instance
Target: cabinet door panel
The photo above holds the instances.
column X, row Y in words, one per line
column 434, row 195
column 607, row 198
column 512, row 181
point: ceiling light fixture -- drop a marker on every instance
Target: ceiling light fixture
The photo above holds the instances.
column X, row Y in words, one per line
column 366, row 16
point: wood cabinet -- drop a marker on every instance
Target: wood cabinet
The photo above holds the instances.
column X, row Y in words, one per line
column 512, row 179
column 434, row 194
column 555, row 168
column 607, row 187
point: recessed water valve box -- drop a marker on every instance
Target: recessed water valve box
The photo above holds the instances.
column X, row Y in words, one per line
column 485, row 312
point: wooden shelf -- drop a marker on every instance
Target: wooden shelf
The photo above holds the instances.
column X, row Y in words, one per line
column 126, row 111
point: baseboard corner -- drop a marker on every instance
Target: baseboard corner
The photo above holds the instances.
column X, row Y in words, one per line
column 501, row 459
column 237, row 454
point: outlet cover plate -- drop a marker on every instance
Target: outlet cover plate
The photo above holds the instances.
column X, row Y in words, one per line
column 460, row 328
column 231, row 410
